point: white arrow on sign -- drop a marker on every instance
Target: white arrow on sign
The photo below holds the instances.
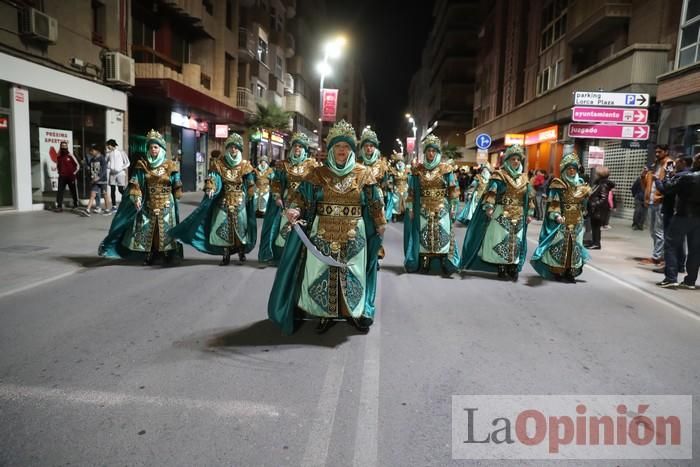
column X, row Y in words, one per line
column 640, row 131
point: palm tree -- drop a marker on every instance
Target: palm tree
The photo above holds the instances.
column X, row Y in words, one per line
column 271, row 118
column 450, row 151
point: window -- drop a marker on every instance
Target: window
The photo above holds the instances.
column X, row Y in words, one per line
column 180, row 51
column 98, row 22
column 299, row 85
column 228, row 75
column 208, row 6
column 262, row 50
column 558, row 73
column 259, row 90
column 690, row 29
column 544, row 81
column 230, row 12
column 278, row 67
column 553, row 22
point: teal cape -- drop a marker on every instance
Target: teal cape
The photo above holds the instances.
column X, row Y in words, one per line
column 411, row 234
column 269, row 252
column 548, row 235
column 195, row 229
column 290, row 273
column 122, row 225
column 477, row 231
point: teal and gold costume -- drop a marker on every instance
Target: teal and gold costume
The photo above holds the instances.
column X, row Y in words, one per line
column 263, row 176
column 560, row 253
column 343, row 212
column 276, row 228
column 155, row 188
column 474, row 193
column 379, row 168
column 399, row 194
column 496, row 240
column 224, row 222
column 433, row 194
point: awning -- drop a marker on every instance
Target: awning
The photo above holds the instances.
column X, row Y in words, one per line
column 187, row 100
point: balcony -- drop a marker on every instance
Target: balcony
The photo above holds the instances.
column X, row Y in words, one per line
column 590, row 23
column 190, row 13
column 246, row 101
column 289, row 47
column 634, row 69
column 247, row 46
column 298, row 104
column 147, row 55
column 261, row 71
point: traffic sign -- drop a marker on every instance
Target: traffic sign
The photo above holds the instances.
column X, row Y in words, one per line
column 611, row 99
column 483, row 141
column 591, row 130
column 609, row 115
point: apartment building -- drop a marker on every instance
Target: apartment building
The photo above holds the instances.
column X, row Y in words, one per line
column 442, row 90
column 534, row 54
column 64, row 70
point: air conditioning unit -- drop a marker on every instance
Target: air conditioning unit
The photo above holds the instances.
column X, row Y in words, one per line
column 39, row 26
column 118, row 68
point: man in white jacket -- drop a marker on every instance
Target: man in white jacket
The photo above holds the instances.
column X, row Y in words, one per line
column 118, row 163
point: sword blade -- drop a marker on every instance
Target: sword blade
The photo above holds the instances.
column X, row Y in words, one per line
column 314, row 251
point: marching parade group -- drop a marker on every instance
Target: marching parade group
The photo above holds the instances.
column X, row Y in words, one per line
column 324, row 224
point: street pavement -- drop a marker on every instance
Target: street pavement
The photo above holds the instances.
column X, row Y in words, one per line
column 112, row 363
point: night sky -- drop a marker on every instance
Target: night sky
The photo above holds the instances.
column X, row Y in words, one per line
column 389, row 36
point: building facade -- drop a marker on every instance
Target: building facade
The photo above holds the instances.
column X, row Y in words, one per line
column 442, row 90
column 63, row 76
column 535, row 54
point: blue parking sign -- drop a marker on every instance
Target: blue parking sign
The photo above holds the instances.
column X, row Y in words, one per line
column 630, row 99
column 483, row 141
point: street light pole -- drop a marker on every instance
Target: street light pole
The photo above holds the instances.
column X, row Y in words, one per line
column 330, row 50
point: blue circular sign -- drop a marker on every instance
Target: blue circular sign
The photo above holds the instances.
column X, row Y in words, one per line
column 483, row 141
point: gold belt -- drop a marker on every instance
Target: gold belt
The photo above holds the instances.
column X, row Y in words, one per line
column 434, row 193
column 508, row 201
column 338, row 210
column 233, row 187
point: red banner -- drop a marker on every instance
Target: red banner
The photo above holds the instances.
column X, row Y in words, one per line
column 330, row 104
column 410, row 145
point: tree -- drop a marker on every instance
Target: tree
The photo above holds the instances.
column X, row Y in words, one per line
column 449, row 151
column 272, row 118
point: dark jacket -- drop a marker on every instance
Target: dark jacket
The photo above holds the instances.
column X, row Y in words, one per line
column 686, row 188
column 97, row 167
column 598, row 205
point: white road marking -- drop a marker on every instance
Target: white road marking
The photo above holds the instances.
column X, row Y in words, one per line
column 24, row 287
column 366, row 442
column 225, row 408
column 316, row 452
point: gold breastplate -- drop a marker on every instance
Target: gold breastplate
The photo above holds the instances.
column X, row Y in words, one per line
column 232, row 180
column 433, row 191
column 572, row 204
column 340, row 210
column 159, row 188
column 514, row 197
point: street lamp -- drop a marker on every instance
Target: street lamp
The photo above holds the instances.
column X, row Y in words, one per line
column 412, row 121
column 331, row 50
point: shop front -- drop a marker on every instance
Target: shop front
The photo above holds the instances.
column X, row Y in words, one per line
column 543, row 150
column 39, row 108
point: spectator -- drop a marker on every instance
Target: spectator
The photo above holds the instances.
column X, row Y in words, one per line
column 681, row 167
column 685, row 224
column 612, row 202
column 640, row 211
column 652, row 182
column 68, row 167
column 118, row 163
column 598, row 204
column 539, row 184
column 97, row 167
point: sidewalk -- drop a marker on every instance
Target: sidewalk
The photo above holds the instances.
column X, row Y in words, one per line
column 619, row 257
column 42, row 246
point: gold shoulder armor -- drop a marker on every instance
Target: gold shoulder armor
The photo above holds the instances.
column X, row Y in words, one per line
column 557, row 184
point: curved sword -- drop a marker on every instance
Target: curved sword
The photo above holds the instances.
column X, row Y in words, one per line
column 327, row 260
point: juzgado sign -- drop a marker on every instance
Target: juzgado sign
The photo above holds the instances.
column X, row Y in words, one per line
column 50, row 140
column 572, row 427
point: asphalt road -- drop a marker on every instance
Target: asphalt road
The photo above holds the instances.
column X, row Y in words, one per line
column 121, row 364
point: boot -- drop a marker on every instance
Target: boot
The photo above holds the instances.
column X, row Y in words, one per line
column 324, row 325
column 241, row 256
column 361, row 324
column 501, row 272
column 149, row 259
column 226, row 258
column 513, row 272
